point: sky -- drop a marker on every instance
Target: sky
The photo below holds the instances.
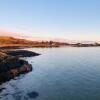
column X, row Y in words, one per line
column 65, row 19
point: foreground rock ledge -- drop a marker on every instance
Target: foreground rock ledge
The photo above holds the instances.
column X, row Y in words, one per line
column 11, row 65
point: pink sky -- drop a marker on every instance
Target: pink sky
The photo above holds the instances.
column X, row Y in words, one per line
column 35, row 38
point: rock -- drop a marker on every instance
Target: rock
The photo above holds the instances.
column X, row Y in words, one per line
column 3, row 56
column 33, row 94
column 12, row 73
column 11, row 65
column 22, row 53
column 25, row 68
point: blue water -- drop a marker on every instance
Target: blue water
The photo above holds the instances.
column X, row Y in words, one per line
column 58, row 74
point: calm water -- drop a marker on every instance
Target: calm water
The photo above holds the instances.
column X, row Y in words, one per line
column 59, row 74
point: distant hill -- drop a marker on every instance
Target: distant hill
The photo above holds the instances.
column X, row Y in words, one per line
column 6, row 41
column 12, row 40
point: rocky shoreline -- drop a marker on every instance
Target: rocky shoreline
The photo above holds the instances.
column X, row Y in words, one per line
column 11, row 64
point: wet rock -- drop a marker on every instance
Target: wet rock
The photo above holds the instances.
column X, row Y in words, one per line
column 33, row 94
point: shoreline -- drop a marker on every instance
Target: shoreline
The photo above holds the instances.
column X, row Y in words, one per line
column 14, row 47
column 11, row 64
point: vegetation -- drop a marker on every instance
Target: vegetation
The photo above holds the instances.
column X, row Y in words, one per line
column 11, row 42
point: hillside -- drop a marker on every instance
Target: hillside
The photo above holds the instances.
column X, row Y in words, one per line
column 15, row 43
column 12, row 42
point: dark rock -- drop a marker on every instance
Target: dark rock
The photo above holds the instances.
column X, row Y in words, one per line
column 33, row 94
column 11, row 65
column 12, row 73
column 22, row 53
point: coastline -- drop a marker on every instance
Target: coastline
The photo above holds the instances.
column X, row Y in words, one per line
column 11, row 64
